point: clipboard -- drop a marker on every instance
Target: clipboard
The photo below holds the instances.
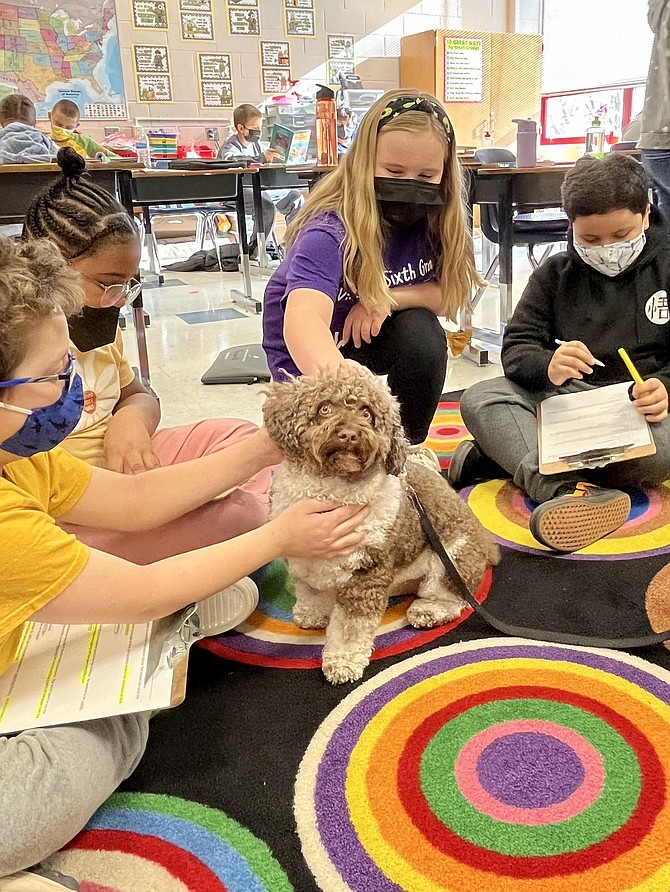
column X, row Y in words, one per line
column 635, row 442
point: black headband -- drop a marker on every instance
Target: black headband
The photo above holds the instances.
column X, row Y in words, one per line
column 417, row 103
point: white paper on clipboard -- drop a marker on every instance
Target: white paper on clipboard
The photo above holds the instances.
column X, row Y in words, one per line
column 591, row 428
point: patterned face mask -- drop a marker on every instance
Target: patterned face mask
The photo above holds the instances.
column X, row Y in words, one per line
column 47, row 426
column 611, row 260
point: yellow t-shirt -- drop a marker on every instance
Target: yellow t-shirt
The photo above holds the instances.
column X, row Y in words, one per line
column 38, row 560
column 104, row 371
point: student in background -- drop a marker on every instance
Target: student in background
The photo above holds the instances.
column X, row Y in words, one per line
column 344, row 129
column 380, row 250
column 53, row 779
column 20, row 140
column 609, row 290
column 64, row 117
column 118, row 428
column 655, row 137
column 245, row 143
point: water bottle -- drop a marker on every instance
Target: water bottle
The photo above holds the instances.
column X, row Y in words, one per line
column 326, row 127
column 526, row 142
column 142, row 147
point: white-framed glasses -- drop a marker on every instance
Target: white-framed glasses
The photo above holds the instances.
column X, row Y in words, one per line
column 65, row 376
column 112, row 294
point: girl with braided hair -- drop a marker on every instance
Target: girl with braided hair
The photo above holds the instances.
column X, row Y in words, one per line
column 118, row 428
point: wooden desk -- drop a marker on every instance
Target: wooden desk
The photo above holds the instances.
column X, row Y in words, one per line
column 151, row 188
column 19, row 183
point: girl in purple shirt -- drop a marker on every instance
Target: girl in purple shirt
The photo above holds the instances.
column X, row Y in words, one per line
column 379, row 251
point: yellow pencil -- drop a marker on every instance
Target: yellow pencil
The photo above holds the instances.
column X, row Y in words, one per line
column 635, row 375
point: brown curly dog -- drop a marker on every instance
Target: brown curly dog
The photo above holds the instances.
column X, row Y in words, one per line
column 343, row 440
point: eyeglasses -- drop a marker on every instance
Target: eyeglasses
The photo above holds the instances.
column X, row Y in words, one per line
column 61, row 376
column 112, row 294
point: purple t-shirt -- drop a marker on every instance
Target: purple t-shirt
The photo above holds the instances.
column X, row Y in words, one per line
column 316, row 261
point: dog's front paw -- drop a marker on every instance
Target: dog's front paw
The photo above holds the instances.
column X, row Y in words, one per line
column 308, row 618
column 425, row 614
column 342, row 668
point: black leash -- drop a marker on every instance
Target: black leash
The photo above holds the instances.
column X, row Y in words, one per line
column 522, row 631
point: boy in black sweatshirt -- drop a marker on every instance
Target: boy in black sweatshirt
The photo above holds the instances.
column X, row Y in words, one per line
column 608, row 290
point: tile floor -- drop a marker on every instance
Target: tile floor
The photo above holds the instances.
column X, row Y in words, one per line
column 180, row 351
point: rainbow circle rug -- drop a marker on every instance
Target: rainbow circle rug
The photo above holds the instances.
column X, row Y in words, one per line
column 142, row 842
column 270, row 637
column 505, row 510
column 494, row 766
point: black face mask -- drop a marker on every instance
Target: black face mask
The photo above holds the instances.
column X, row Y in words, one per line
column 93, row 327
column 406, row 202
column 254, row 135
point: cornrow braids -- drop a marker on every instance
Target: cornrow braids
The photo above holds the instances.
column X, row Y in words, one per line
column 75, row 213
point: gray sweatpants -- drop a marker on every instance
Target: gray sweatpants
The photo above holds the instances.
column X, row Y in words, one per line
column 502, row 418
column 53, row 779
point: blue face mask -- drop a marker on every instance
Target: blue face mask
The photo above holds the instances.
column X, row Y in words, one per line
column 48, row 426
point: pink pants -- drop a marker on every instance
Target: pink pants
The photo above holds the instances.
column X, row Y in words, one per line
column 243, row 510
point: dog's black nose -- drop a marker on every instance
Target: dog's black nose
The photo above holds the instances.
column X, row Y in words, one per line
column 347, row 435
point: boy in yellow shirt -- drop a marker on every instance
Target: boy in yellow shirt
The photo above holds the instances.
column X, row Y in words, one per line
column 64, row 117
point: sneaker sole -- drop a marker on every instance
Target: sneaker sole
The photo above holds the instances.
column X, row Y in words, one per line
column 575, row 523
column 227, row 609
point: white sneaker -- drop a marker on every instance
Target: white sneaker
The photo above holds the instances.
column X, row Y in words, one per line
column 44, row 881
column 226, row 609
column 422, row 455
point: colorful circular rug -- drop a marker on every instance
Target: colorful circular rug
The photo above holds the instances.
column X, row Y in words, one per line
column 493, row 766
column 270, row 637
column 505, row 510
column 141, row 842
column 447, row 431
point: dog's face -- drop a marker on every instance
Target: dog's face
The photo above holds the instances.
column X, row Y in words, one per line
column 338, row 425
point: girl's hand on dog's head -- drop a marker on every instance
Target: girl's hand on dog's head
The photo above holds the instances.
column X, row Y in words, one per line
column 321, row 530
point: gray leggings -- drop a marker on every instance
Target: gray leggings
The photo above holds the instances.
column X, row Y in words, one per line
column 53, row 779
column 501, row 417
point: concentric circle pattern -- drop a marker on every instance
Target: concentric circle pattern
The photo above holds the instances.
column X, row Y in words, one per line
column 270, row 637
column 446, row 432
column 495, row 766
column 505, row 510
column 147, row 843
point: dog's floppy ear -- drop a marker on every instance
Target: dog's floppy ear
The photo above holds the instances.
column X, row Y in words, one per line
column 398, row 445
column 279, row 405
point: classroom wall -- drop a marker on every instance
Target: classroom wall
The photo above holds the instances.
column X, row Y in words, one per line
column 377, row 26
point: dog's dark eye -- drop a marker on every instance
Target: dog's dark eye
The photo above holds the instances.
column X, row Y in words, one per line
column 325, row 409
column 367, row 414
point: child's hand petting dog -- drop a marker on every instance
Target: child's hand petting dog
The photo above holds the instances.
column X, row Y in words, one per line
column 320, row 530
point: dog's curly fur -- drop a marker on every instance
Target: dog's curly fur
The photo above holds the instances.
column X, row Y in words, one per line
column 343, row 440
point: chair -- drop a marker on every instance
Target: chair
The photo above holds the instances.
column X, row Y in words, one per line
column 545, row 227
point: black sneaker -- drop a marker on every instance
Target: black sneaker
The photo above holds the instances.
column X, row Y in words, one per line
column 469, row 465
column 571, row 522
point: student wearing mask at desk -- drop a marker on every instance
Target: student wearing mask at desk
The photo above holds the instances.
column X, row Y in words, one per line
column 380, row 251
column 245, row 143
column 609, row 290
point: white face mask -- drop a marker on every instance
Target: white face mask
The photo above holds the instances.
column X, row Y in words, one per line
column 611, row 260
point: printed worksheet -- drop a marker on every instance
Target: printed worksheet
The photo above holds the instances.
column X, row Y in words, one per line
column 74, row 673
column 603, row 418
